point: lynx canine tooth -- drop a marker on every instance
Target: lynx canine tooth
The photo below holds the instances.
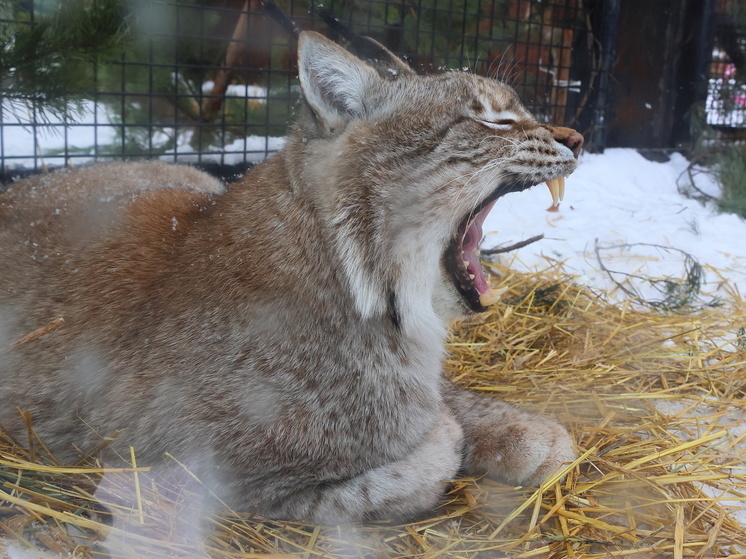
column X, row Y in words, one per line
column 491, row 297
column 561, row 182
column 554, row 189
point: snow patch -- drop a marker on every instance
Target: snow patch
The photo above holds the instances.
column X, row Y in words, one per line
column 620, row 198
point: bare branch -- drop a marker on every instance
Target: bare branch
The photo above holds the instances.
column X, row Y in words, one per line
column 516, row 246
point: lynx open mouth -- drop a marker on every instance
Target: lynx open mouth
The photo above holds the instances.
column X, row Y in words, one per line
column 462, row 256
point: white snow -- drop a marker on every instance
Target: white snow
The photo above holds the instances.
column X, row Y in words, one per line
column 620, row 199
column 255, row 93
column 83, row 131
column 94, row 126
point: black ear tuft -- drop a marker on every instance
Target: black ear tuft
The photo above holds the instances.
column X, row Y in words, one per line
column 386, row 63
column 278, row 16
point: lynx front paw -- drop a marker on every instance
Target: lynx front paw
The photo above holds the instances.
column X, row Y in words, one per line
column 398, row 490
column 524, row 451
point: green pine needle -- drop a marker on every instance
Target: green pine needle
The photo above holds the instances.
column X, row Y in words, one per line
column 50, row 61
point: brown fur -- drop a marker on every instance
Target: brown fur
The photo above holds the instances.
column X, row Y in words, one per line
column 284, row 337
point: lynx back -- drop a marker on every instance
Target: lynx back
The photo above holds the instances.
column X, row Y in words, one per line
column 285, row 336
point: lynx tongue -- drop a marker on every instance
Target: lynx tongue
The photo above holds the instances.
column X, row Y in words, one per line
column 472, row 237
column 470, row 258
column 470, row 243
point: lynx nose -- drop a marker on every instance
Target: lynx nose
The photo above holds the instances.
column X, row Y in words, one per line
column 569, row 137
column 575, row 141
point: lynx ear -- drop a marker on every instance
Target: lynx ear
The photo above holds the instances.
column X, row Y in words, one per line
column 334, row 82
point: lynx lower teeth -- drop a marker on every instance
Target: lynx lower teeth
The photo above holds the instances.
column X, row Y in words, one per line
column 491, row 297
column 557, row 189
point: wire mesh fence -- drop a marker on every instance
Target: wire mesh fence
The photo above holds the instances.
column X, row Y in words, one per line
column 726, row 92
column 214, row 81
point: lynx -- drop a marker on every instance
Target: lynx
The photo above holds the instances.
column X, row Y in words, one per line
column 285, row 335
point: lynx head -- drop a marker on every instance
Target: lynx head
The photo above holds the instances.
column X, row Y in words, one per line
column 405, row 168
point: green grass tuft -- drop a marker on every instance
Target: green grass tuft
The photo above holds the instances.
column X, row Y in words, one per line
column 731, row 170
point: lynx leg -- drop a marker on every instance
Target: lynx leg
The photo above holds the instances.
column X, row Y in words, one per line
column 398, row 490
column 506, row 443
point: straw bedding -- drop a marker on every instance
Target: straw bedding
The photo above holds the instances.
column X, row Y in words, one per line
column 656, row 402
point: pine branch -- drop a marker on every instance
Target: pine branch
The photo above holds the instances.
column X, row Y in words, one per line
column 50, row 61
